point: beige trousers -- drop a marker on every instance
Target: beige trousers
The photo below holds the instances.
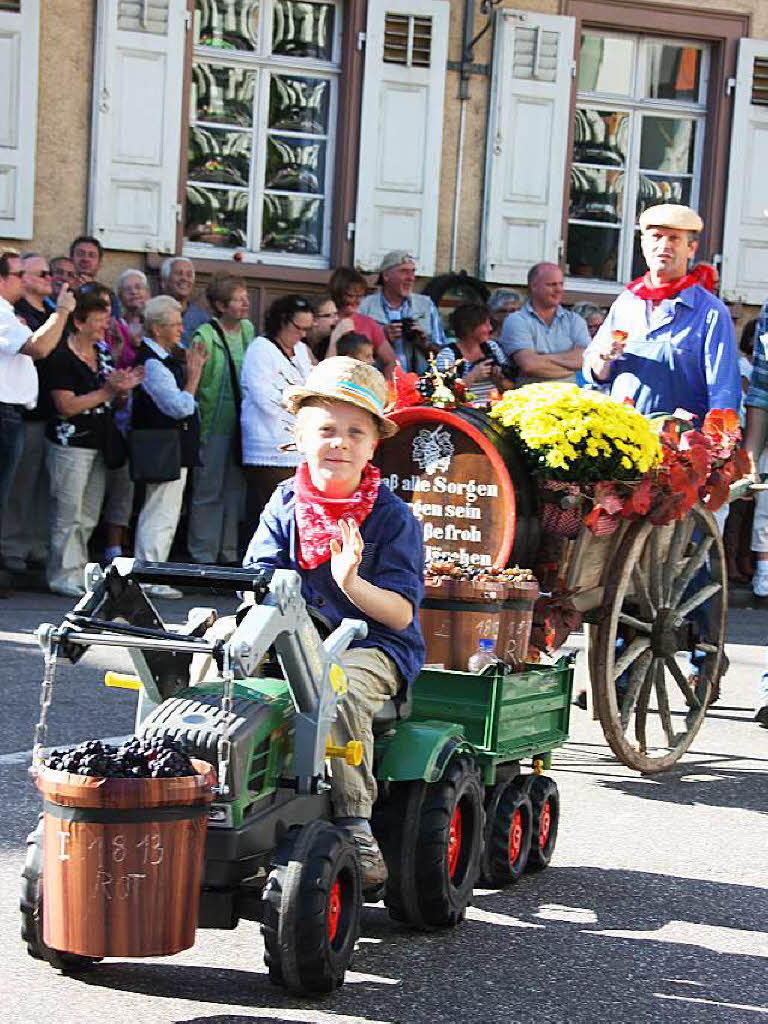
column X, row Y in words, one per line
column 372, row 680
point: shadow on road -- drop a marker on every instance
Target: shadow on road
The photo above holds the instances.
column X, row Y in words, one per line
column 699, row 783
column 572, row 944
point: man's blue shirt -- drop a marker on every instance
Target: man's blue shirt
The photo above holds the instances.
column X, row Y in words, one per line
column 393, row 559
column 682, row 355
column 758, row 382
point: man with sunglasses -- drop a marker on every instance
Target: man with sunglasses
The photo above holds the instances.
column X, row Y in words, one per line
column 36, row 286
column 20, row 347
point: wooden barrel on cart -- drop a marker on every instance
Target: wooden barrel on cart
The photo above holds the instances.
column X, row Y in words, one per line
column 122, row 862
column 466, row 483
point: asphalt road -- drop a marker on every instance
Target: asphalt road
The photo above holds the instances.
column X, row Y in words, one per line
column 653, row 910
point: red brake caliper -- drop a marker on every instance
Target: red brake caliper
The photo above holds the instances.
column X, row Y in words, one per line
column 515, row 837
column 334, row 910
column 454, row 842
column 544, row 823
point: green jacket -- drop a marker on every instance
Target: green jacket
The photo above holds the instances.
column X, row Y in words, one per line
column 214, row 394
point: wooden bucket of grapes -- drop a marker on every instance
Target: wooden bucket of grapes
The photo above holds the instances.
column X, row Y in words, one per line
column 122, row 861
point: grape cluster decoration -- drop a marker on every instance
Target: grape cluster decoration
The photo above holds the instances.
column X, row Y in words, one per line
column 156, row 757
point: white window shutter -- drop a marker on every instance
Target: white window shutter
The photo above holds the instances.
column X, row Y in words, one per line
column 744, row 272
column 139, row 69
column 527, row 144
column 401, row 131
column 19, row 42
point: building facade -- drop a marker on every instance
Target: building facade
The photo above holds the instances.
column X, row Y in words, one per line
column 297, row 135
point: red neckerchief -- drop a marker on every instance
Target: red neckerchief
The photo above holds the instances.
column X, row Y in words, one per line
column 317, row 517
column 703, row 274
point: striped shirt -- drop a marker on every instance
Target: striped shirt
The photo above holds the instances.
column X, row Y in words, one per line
column 758, row 383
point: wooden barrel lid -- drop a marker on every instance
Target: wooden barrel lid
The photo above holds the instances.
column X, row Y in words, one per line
column 455, row 481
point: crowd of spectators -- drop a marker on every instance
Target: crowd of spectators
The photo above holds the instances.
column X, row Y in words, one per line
column 122, row 415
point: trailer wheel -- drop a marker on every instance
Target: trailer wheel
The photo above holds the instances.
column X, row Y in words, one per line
column 31, row 905
column 312, row 903
column 508, row 831
column 545, row 803
column 449, row 844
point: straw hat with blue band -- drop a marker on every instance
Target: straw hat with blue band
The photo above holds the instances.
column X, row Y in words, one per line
column 345, row 380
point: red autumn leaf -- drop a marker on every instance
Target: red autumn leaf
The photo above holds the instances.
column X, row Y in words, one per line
column 606, row 497
column 718, row 490
column 639, row 501
column 741, row 463
column 720, row 421
column 700, row 461
column 670, row 434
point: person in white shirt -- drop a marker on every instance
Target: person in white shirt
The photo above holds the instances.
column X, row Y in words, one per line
column 20, row 347
column 272, row 361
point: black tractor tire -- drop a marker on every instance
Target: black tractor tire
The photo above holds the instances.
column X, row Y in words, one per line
column 545, row 802
column 395, row 824
column 312, row 904
column 449, row 844
column 508, row 832
column 31, row 905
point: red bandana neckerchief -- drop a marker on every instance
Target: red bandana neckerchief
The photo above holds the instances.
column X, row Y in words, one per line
column 702, row 274
column 317, row 517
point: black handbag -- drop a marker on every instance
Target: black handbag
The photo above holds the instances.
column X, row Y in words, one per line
column 155, row 455
column 114, row 447
column 237, row 437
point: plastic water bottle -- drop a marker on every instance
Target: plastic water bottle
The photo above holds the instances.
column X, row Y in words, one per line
column 483, row 656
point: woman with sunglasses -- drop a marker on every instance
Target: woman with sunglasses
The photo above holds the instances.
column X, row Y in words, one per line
column 277, row 358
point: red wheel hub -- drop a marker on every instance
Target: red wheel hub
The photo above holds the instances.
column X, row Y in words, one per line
column 515, row 837
column 454, row 842
column 334, row 910
column 544, row 824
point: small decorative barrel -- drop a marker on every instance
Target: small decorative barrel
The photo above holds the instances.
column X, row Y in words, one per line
column 122, row 861
column 456, row 615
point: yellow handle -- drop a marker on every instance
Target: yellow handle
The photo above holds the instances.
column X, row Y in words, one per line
column 122, row 682
column 352, row 753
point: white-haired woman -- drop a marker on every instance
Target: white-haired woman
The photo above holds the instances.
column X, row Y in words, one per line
column 133, row 292
column 165, row 403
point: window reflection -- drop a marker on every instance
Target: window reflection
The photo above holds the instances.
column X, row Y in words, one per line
column 596, row 195
column 600, row 137
column 674, row 72
column 299, row 104
column 216, row 216
column 295, row 165
column 292, row 224
column 606, row 64
column 593, row 251
column 227, row 24
column 302, row 29
column 224, row 95
column 667, row 144
column 218, row 155
column 655, row 189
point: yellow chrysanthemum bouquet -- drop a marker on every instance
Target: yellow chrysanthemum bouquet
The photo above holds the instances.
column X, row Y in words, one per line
column 575, row 440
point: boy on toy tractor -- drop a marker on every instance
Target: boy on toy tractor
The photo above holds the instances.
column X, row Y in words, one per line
column 358, row 549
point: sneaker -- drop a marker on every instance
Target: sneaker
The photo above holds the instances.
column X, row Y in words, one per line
column 374, row 869
column 66, row 590
column 760, row 584
column 762, row 717
column 161, row 590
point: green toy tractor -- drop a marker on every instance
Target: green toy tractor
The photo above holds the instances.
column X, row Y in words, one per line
column 453, row 805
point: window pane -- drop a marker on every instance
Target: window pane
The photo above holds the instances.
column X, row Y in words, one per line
column 592, row 252
column 596, row 195
column 227, row 24
column 600, row 137
column 674, row 72
column 667, row 144
column 302, row 29
column 292, row 224
column 606, row 64
column 299, row 104
column 295, row 165
column 654, row 189
column 10, row 5
column 216, row 154
column 222, row 94
column 216, row 216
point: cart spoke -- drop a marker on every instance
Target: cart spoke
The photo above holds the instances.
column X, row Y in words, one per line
column 698, row 598
column 641, row 591
column 691, row 699
column 657, row 590
column 695, row 562
column 641, row 714
column 630, row 620
column 680, row 538
column 636, row 680
column 629, row 656
column 662, row 699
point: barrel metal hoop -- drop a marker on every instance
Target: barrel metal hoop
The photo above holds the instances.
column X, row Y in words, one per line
column 125, row 815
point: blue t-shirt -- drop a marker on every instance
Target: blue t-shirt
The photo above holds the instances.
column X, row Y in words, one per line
column 393, row 559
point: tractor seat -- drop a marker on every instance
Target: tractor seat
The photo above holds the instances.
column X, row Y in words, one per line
column 397, row 709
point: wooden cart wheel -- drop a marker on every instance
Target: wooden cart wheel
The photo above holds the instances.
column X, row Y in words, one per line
column 650, row 607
